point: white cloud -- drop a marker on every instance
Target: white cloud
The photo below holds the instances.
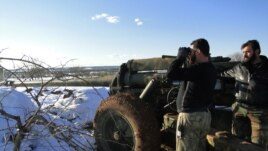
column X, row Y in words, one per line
column 107, row 17
column 103, row 15
column 138, row 22
column 112, row 19
column 136, row 19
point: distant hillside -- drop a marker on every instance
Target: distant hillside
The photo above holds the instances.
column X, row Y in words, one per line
column 72, row 76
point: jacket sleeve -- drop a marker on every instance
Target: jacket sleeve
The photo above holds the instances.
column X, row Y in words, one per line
column 176, row 71
column 173, row 68
column 231, row 73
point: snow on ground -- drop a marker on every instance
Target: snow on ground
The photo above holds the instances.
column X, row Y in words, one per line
column 66, row 112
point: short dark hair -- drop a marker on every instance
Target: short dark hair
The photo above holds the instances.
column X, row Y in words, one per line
column 203, row 45
column 254, row 44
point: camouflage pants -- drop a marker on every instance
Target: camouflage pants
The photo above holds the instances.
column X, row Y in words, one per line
column 191, row 131
column 251, row 125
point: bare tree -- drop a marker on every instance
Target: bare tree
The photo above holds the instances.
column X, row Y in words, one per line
column 237, row 56
column 25, row 129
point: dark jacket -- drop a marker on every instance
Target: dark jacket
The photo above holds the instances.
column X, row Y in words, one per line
column 196, row 90
column 251, row 83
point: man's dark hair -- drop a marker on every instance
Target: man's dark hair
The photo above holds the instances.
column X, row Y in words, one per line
column 254, row 45
column 203, row 45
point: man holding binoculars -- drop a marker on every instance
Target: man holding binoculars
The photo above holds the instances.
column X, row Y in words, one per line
column 192, row 66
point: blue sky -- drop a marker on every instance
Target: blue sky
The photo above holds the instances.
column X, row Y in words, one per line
column 110, row 32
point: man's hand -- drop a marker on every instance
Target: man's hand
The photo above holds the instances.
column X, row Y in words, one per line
column 183, row 52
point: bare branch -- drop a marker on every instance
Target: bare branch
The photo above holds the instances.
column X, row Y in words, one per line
column 61, row 132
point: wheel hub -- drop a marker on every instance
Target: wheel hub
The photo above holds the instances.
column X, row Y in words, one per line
column 117, row 135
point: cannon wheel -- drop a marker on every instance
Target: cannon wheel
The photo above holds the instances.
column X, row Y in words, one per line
column 123, row 123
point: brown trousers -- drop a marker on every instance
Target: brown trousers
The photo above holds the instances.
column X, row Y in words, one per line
column 251, row 124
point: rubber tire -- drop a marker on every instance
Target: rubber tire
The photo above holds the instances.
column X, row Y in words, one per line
column 139, row 120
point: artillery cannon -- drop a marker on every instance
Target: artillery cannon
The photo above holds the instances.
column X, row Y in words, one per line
column 140, row 113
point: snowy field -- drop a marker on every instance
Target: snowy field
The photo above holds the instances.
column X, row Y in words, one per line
column 63, row 117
